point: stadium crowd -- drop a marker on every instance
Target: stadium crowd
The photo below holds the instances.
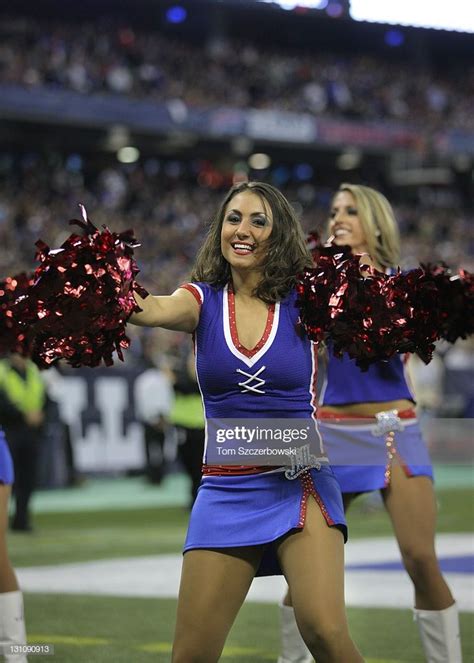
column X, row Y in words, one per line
column 121, row 60
column 168, row 208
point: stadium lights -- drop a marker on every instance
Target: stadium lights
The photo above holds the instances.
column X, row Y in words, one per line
column 259, row 161
column 289, row 5
column 176, row 14
column 394, row 38
column 456, row 15
column 128, row 154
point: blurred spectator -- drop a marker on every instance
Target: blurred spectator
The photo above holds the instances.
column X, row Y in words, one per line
column 57, row 465
column 426, row 380
column 22, row 403
column 153, row 403
column 459, row 383
column 188, row 416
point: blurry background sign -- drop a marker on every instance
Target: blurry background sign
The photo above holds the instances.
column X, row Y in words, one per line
column 99, row 408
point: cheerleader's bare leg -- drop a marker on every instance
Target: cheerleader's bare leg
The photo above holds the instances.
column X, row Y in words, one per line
column 293, row 647
column 12, row 622
column 411, row 504
column 214, row 584
column 312, row 560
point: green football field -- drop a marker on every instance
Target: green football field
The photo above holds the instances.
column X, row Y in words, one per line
column 88, row 628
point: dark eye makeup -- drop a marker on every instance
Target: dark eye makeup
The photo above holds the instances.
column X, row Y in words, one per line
column 235, row 217
column 351, row 211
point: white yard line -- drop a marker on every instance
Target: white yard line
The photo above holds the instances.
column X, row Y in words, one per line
column 158, row 576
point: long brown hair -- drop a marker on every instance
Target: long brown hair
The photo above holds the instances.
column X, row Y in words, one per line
column 287, row 253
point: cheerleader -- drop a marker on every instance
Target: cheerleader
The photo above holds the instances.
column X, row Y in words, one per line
column 373, row 440
column 12, row 623
column 253, row 363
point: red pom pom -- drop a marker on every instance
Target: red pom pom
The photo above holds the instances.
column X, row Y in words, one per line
column 321, row 291
column 454, row 303
column 13, row 327
column 82, row 297
column 372, row 320
column 372, row 317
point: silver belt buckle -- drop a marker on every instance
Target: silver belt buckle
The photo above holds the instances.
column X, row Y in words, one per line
column 301, row 462
column 388, row 421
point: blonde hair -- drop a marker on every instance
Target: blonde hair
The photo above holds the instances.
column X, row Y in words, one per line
column 378, row 223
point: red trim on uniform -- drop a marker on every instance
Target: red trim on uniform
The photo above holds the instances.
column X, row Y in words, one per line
column 392, row 455
column 233, row 470
column 194, row 291
column 309, row 489
column 233, row 326
column 409, row 413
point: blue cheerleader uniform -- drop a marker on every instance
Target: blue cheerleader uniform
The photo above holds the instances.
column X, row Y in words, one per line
column 362, row 450
column 252, row 505
column 6, row 462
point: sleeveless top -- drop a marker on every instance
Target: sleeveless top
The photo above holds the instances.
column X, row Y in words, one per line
column 276, row 379
column 345, row 383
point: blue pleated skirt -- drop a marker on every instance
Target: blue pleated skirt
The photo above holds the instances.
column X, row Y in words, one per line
column 6, row 463
column 234, row 511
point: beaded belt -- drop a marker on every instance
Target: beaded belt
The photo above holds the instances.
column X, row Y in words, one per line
column 385, row 423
